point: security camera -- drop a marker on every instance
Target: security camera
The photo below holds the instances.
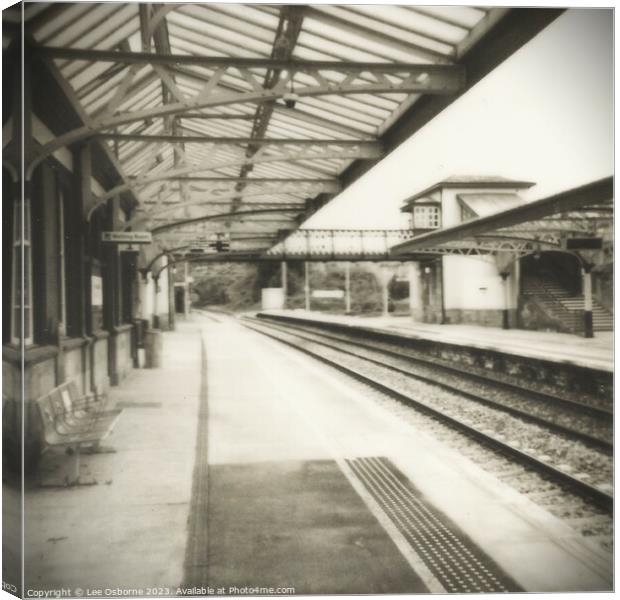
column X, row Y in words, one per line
column 290, row 99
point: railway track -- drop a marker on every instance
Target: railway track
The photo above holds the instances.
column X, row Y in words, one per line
column 304, row 341
column 443, row 366
column 530, row 404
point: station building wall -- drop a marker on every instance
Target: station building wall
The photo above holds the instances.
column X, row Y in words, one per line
column 475, row 293
column 464, row 289
column 79, row 294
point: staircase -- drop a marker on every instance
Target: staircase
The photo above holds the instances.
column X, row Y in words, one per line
column 562, row 303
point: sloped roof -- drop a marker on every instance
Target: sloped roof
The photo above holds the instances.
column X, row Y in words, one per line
column 470, row 181
column 489, row 203
column 583, row 212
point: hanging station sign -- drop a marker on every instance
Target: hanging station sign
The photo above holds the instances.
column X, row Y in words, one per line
column 127, row 237
column 584, row 243
column 211, row 244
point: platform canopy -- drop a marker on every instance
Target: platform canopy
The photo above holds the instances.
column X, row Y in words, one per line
column 580, row 220
column 245, row 119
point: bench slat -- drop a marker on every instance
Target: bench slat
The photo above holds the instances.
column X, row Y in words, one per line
column 68, row 420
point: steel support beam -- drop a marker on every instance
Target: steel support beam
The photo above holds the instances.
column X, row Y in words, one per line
column 213, row 165
column 290, row 65
column 242, row 214
column 75, row 104
column 332, row 183
column 287, row 32
column 512, row 31
column 210, row 203
column 213, row 199
column 224, row 117
column 425, row 79
column 196, row 139
column 258, row 255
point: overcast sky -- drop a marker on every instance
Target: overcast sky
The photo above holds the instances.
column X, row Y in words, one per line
column 544, row 115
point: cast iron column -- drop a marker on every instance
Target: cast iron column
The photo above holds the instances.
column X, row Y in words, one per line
column 588, row 326
column 505, row 322
column 284, row 282
column 347, row 287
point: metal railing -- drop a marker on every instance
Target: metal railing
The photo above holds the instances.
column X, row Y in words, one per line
column 572, row 318
column 341, row 243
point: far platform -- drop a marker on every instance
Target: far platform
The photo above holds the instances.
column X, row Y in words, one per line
column 592, row 353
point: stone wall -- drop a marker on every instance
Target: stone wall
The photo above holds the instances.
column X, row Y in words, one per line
column 532, row 315
column 488, row 318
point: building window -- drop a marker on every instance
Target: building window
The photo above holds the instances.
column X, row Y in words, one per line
column 96, row 296
column 426, row 217
column 62, row 287
column 22, row 286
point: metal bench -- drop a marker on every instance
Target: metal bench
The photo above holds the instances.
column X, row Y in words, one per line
column 76, row 421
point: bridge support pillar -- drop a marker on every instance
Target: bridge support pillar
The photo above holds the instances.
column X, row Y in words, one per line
column 385, row 296
column 283, row 275
column 347, row 287
column 415, row 290
column 588, row 325
column 307, row 285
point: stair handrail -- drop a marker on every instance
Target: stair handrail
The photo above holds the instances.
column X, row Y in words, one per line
column 559, row 306
column 595, row 303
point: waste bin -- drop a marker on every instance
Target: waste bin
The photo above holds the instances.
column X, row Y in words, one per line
column 142, row 326
column 153, row 346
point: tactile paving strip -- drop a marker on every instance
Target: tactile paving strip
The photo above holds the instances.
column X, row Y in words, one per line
column 457, row 563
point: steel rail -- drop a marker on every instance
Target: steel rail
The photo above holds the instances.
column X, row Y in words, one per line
column 516, row 412
column 594, row 494
column 390, row 338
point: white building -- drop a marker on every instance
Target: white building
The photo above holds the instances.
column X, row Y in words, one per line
column 463, row 289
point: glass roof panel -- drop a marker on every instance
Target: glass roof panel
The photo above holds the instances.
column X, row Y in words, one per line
column 422, row 24
column 356, row 33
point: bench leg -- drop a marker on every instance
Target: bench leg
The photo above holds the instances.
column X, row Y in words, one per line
column 75, row 479
column 78, row 479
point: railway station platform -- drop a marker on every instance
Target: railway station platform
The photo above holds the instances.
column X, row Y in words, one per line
column 592, row 353
column 277, row 473
column 130, row 529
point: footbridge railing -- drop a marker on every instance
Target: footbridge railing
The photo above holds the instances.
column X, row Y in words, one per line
column 340, row 244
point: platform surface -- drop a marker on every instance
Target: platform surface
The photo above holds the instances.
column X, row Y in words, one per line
column 128, row 532
column 593, row 353
column 283, row 504
column 280, row 417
